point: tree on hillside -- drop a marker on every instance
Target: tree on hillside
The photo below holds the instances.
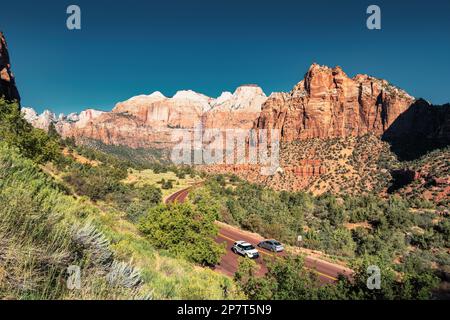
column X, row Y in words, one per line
column 33, row 143
column 186, row 230
column 255, row 288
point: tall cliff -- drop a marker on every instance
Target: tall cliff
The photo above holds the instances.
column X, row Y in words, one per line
column 8, row 89
column 327, row 103
column 149, row 120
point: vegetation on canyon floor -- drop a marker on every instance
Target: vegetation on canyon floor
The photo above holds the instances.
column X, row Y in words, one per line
column 47, row 227
column 73, row 205
column 359, row 229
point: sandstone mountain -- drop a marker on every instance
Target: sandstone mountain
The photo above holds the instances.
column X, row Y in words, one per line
column 149, row 120
column 332, row 127
column 8, row 88
column 327, row 103
column 238, row 110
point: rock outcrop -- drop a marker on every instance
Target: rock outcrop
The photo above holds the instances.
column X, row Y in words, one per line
column 42, row 121
column 327, row 103
column 238, row 110
column 8, row 89
column 149, row 120
column 419, row 130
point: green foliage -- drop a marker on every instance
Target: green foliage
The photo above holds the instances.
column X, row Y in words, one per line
column 146, row 197
column 96, row 182
column 413, row 281
column 186, row 230
column 42, row 234
column 255, row 288
column 286, row 279
column 17, row 132
column 166, row 184
column 351, row 228
column 139, row 158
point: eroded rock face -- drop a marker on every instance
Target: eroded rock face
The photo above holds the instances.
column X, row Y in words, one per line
column 8, row 88
column 42, row 121
column 419, row 130
column 327, row 103
column 238, row 110
column 150, row 120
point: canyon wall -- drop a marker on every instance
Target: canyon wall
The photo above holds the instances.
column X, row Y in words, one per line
column 8, row 89
column 327, row 103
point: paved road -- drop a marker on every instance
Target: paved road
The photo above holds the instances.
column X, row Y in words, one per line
column 179, row 196
column 326, row 271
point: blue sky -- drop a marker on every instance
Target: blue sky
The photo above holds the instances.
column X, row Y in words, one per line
column 135, row 47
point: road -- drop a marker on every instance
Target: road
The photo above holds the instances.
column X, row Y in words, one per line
column 179, row 196
column 327, row 272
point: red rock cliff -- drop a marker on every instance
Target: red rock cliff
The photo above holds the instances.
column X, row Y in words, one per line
column 8, row 88
column 327, row 103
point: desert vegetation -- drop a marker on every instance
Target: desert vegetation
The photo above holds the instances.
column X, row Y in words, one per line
column 64, row 211
column 72, row 205
column 356, row 229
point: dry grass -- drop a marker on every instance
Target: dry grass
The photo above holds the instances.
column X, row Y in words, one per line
column 149, row 177
column 79, row 158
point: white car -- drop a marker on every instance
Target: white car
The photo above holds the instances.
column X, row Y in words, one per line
column 246, row 249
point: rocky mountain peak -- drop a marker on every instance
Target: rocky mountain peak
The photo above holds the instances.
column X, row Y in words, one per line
column 8, row 88
column 249, row 90
column 327, row 103
column 155, row 96
column 225, row 96
column 41, row 121
column 190, row 95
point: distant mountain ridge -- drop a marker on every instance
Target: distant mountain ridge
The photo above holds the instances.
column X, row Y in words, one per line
column 325, row 104
column 146, row 120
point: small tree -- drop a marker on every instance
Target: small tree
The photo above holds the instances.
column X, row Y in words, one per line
column 184, row 230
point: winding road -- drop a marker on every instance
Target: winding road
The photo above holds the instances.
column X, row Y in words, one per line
column 327, row 272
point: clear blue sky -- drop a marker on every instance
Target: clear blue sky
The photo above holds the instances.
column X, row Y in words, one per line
column 135, row 47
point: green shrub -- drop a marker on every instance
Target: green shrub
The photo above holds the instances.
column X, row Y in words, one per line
column 17, row 132
column 185, row 230
column 42, row 234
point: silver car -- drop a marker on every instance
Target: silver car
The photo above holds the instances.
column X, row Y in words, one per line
column 271, row 245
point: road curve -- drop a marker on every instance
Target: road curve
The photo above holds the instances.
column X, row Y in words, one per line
column 327, row 272
column 179, row 196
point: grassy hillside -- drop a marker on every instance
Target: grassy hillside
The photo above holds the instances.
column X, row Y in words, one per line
column 169, row 181
column 63, row 212
column 43, row 232
column 70, row 206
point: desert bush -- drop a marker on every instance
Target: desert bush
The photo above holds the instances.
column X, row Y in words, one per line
column 40, row 238
column 185, row 230
column 30, row 142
